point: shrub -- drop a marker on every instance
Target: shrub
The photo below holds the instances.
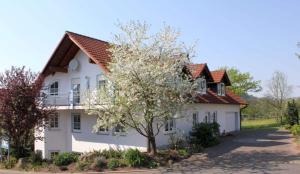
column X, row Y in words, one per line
column 82, row 165
column 36, row 157
column 111, row 153
column 295, row 130
column 113, row 163
column 8, row 164
column 183, row 152
column 176, row 140
column 152, row 164
column 65, row 158
column 205, row 134
column 292, row 114
column 134, row 158
column 100, row 162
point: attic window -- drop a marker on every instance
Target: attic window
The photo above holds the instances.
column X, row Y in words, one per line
column 202, row 85
column 221, row 89
column 54, row 88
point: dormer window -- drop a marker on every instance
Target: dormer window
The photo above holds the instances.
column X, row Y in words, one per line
column 221, row 89
column 202, row 86
column 54, row 88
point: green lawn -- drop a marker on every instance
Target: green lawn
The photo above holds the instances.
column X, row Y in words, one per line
column 260, row 124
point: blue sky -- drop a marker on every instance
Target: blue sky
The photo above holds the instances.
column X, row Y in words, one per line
column 255, row 36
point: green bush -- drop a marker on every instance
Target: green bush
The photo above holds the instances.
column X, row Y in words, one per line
column 113, row 163
column 152, row 164
column 8, row 164
column 205, row 134
column 183, row 152
column 36, row 157
column 65, row 158
column 100, row 162
column 295, row 130
column 82, row 165
column 134, row 158
column 111, row 153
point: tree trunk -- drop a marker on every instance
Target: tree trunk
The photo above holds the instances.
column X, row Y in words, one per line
column 152, row 150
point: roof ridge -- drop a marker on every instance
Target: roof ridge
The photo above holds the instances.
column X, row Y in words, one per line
column 70, row 32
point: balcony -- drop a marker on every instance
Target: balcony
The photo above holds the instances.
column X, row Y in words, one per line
column 64, row 100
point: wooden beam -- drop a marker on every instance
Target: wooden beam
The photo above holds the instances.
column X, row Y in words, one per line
column 58, row 69
column 69, row 55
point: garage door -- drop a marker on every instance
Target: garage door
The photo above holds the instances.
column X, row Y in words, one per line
column 232, row 121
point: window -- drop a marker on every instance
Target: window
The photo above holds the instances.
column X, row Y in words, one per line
column 202, row 85
column 221, row 89
column 215, row 117
column 76, row 122
column 102, row 130
column 101, row 81
column 210, row 117
column 75, row 91
column 53, row 119
column 170, row 125
column 195, row 118
column 119, row 130
column 87, row 82
column 54, row 88
column 53, row 153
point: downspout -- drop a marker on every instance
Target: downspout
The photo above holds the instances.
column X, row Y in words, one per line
column 245, row 106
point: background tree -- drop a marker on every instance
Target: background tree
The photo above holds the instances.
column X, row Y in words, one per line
column 242, row 83
column 21, row 108
column 278, row 92
column 292, row 113
column 149, row 85
column 258, row 108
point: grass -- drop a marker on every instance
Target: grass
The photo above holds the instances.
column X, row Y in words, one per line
column 260, row 124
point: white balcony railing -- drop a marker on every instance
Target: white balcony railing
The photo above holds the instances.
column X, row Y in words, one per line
column 64, row 99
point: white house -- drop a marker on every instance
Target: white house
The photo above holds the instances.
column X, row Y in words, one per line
column 79, row 63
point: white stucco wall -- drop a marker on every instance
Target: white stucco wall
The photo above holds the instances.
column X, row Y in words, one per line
column 185, row 123
column 86, row 70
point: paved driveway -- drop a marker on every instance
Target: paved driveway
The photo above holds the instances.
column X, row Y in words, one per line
column 259, row 151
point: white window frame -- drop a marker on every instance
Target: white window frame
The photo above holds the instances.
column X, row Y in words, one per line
column 73, row 122
column 202, row 86
column 221, row 89
column 170, row 126
column 195, row 117
column 102, row 78
column 122, row 131
column 50, row 152
column 53, row 118
column 104, row 131
column 55, row 92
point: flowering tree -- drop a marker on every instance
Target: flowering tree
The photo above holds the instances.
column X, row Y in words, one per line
column 148, row 82
column 21, row 108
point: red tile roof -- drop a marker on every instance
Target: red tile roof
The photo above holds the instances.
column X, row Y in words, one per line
column 196, row 69
column 218, row 75
column 212, row 98
column 94, row 48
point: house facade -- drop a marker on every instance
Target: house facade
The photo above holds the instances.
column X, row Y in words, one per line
column 79, row 64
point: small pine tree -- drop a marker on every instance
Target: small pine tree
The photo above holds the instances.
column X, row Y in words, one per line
column 292, row 113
